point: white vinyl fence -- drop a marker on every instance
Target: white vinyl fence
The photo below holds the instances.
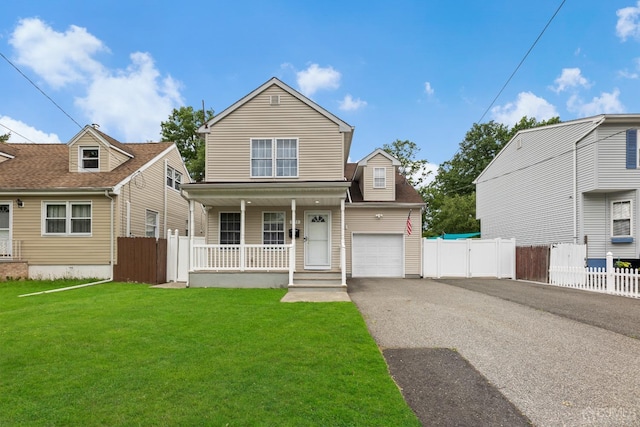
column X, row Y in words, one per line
column 568, row 255
column 469, row 258
column 610, row 280
column 178, row 256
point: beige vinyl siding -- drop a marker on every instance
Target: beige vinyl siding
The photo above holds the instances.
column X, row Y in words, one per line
column 369, row 192
column 393, row 221
column 147, row 191
column 3, row 158
column 320, row 143
column 253, row 228
column 55, row 250
column 88, row 140
column 116, row 158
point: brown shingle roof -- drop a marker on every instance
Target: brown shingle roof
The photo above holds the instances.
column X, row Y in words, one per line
column 405, row 193
column 46, row 167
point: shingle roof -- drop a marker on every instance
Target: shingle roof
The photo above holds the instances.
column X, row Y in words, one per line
column 405, row 193
column 46, row 166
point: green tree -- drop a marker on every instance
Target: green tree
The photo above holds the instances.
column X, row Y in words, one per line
column 447, row 210
column 4, row 138
column 413, row 168
column 181, row 128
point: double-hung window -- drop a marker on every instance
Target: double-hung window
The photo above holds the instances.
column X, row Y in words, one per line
column 67, row 218
column 621, row 218
column 151, row 224
column 229, row 228
column 90, row 158
column 273, row 228
column 379, row 177
column 174, row 178
column 274, row 157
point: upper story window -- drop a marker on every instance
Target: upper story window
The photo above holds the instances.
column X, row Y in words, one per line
column 280, row 161
column 229, row 228
column 174, row 178
column 379, row 177
column 90, row 158
column 67, row 218
column 621, row 218
column 273, row 228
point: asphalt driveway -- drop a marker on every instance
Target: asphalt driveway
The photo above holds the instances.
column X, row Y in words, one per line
column 502, row 352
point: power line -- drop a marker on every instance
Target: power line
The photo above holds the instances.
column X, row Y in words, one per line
column 13, row 131
column 40, row 90
column 522, row 61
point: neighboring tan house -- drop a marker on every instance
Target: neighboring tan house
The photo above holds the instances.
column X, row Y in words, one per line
column 286, row 209
column 573, row 182
column 63, row 206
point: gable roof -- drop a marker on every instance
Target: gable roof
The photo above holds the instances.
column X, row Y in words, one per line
column 405, row 192
column 102, row 137
column 344, row 126
column 394, row 161
column 45, row 167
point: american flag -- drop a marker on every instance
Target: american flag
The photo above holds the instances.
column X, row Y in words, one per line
column 409, row 223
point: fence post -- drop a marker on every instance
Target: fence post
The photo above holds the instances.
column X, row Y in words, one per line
column 610, row 278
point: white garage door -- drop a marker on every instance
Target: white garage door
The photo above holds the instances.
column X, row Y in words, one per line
column 377, row 255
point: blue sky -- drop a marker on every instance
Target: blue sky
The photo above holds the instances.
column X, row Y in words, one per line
column 418, row 70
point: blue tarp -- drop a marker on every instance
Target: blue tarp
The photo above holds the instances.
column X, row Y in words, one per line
column 457, row 236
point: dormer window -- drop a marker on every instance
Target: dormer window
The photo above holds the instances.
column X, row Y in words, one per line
column 379, row 177
column 90, row 158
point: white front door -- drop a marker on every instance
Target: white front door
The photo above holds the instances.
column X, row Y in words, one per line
column 317, row 242
column 5, row 230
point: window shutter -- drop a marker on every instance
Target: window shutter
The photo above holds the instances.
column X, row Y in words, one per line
column 632, row 148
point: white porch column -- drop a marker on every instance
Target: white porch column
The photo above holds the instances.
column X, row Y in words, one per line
column 343, row 249
column 242, row 216
column 191, row 229
column 292, row 254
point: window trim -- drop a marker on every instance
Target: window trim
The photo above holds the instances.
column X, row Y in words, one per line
column 284, row 227
column 384, row 177
column 613, row 202
column 220, row 227
column 274, row 157
column 81, row 158
column 68, row 218
column 156, row 225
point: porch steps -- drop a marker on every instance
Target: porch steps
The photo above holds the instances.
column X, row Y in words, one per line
column 317, row 282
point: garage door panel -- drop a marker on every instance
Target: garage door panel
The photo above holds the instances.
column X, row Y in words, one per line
column 377, row 255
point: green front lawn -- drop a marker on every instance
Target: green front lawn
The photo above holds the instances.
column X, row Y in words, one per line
column 127, row 354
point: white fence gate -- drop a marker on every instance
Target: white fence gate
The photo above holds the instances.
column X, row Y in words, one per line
column 568, row 255
column 178, row 256
column 469, row 258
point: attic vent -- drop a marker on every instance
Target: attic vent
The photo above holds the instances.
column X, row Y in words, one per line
column 274, row 99
column 518, row 143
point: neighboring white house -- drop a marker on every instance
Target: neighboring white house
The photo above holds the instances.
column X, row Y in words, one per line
column 571, row 182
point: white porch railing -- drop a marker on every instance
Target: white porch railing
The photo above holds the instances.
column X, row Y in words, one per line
column 615, row 281
column 241, row 257
column 10, row 249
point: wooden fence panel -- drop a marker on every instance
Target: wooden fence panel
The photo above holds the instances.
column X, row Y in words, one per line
column 532, row 263
column 141, row 259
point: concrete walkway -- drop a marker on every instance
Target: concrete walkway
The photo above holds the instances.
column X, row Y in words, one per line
column 556, row 370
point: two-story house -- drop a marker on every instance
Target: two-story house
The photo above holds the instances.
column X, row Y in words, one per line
column 63, row 206
column 285, row 208
column 572, row 182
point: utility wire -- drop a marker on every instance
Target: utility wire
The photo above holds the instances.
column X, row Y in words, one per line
column 522, row 61
column 13, row 131
column 40, row 90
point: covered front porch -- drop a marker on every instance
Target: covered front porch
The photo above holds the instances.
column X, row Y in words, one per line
column 270, row 234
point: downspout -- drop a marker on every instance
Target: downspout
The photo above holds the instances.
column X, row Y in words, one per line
column 164, row 215
column 575, row 192
column 112, row 235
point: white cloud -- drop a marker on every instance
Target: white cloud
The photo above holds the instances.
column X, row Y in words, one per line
column 58, row 58
column 631, row 74
column 570, row 78
column 606, row 103
column 315, row 78
column 350, row 104
column 528, row 105
column 428, row 89
column 133, row 101
column 627, row 25
column 22, row 132
column 430, row 169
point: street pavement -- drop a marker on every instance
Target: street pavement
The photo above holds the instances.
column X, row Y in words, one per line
column 502, row 352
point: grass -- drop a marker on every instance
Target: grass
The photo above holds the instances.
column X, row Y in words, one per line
column 127, row 354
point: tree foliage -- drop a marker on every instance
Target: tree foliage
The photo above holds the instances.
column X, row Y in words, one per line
column 181, row 128
column 4, row 138
column 449, row 195
column 413, row 168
